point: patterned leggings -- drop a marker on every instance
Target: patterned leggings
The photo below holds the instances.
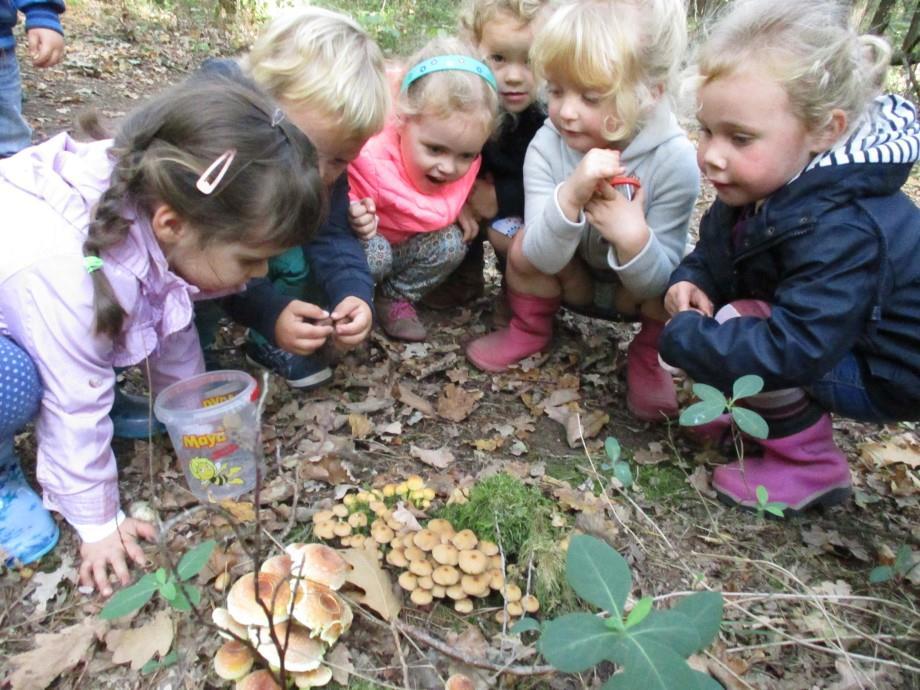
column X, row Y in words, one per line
column 411, row 269
column 20, row 388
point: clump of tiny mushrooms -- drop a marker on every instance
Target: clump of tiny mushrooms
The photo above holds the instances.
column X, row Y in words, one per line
column 307, row 617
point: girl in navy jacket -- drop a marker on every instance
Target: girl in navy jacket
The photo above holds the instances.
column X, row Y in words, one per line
column 807, row 272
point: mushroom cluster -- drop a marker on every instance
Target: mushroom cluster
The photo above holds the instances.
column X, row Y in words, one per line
column 440, row 563
column 365, row 519
column 298, row 590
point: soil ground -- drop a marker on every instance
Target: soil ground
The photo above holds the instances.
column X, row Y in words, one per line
column 800, row 611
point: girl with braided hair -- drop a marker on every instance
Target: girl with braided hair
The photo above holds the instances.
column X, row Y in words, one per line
column 107, row 246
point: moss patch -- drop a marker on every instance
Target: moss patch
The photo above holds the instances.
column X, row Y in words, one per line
column 661, row 482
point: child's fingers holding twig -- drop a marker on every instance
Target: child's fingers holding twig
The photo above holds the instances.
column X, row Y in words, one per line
column 302, row 328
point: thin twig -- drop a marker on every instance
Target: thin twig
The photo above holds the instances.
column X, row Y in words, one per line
column 399, row 653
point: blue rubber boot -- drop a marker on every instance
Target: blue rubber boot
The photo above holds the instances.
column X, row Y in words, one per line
column 27, row 530
column 132, row 417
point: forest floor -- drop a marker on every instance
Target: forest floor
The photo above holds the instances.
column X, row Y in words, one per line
column 800, row 611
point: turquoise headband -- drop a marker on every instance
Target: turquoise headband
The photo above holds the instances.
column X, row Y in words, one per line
column 449, row 62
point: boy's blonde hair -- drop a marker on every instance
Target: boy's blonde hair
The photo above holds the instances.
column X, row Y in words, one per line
column 809, row 46
column 324, row 60
column 441, row 94
column 625, row 50
column 476, row 13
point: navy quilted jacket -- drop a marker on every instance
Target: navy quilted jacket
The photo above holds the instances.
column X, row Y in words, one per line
column 40, row 14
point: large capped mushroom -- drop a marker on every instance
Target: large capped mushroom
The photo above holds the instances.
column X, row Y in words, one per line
column 272, row 591
column 324, row 613
column 258, row 680
column 319, row 563
column 223, row 620
column 316, row 678
column 302, row 653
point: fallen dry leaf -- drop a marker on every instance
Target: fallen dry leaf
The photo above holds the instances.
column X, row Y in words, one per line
column 903, row 449
column 405, row 517
column 561, row 397
column 413, row 400
column 699, row 480
column 440, row 458
column 47, row 583
column 360, row 425
column 653, row 456
column 327, row 469
column 339, row 660
column 577, row 425
column 54, row 653
column 242, row 511
column 138, row 645
column 367, row 575
column 488, row 444
column 457, row 403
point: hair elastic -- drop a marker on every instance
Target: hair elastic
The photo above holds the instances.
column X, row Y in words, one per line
column 92, row 263
column 449, row 62
column 277, row 117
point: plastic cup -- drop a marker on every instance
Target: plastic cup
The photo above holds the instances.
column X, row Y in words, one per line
column 213, row 424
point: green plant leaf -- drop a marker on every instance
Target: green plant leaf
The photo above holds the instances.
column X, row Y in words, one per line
column 612, row 448
column 526, row 624
column 598, row 574
column 881, row 574
column 193, row 561
column 168, row 591
column 902, row 561
column 160, row 575
column 130, row 598
column 180, row 602
column 747, row 386
column 192, row 593
column 638, row 613
column 575, row 642
column 750, row 422
column 709, row 394
column 704, row 609
column 649, row 666
column 701, row 413
column 776, row 509
column 623, row 473
column 762, row 496
column 156, row 664
column 670, row 628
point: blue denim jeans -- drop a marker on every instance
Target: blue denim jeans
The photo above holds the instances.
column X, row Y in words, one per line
column 15, row 133
column 843, row 392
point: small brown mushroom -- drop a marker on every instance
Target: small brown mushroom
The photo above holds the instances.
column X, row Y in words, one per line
column 496, row 579
column 455, row 592
column 233, row 660
column 357, row 520
column 446, row 575
column 464, row 540
column 316, row 678
column 475, row 585
column 495, row 563
column 530, row 603
column 324, row 531
column 279, row 565
column 383, row 535
column 515, row 609
column 502, row 617
column 489, row 548
column 458, row 681
column 463, row 606
column 472, row 561
column 440, row 526
column 408, row 581
column 323, row 516
column 258, row 680
column 397, row 558
column 426, row 540
column 439, row 591
column 341, row 529
column 223, row 620
column 421, row 597
column 422, row 568
column 511, row 592
column 340, row 510
column 445, row 554
column 425, row 582
column 413, row 553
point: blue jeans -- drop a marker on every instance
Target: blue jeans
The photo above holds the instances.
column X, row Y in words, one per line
column 15, row 133
column 843, row 392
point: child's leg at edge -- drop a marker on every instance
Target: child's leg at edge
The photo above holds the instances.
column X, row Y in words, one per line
column 15, row 133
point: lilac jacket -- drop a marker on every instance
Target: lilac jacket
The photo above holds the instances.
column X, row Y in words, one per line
column 47, row 193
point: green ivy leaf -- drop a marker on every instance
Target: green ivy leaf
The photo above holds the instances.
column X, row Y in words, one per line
column 526, row 624
column 709, row 393
column 156, row 664
column 575, row 642
column 669, row 628
column 704, row 609
column 193, row 561
column 650, row 666
column 168, row 591
column 701, row 412
column 623, row 473
column 750, row 422
column 598, row 574
column 639, row 612
column 881, row 574
column 762, row 496
column 747, row 386
column 130, row 598
column 612, row 448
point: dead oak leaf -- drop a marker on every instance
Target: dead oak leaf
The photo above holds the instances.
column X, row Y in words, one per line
column 577, row 425
column 440, row 458
column 328, row 468
column 405, row 395
column 652, row 456
column 339, row 660
column 138, row 645
column 903, row 449
column 456, row 403
column 54, row 653
column 361, row 426
column 367, row 575
column 242, row 511
column 47, row 583
column 488, row 445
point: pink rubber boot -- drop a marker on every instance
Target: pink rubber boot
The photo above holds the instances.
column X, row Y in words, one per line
column 802, row 470
column 714, row 433
column 530, row 330
column 650, row 392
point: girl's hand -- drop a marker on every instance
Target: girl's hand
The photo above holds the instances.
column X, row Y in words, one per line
column 468, row 220
column 362, row 215
column 353, row 320
column 302, row 328
column 99, row 555
column 685, row 296
column 598, row 165
column 46, row 47
column 619, row 220
column 483, row 200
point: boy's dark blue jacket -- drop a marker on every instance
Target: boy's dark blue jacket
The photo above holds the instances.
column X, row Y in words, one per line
column 336, row 258
column 503, row 158
column 837, row 253
column 40, row 14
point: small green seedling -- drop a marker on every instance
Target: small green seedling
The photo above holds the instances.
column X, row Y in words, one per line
column 172, row 587
column 650, row 645
column 765, row 505
column 614, row 465
column 903, row 564
column 713, row 403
